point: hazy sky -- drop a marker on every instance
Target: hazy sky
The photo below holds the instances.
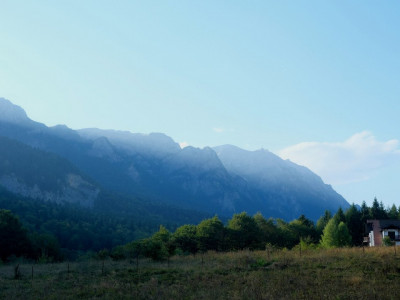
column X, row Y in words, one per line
column 314, row 81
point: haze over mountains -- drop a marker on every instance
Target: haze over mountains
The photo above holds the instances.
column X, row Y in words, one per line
column 78, row 166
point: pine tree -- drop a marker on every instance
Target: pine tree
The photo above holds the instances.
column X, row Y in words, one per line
column 339, row 216
column 322, row 221
column 378, row 210
column 375, row 209
column 393, row 214
column 355, row 224
column 365, row 213
column 383, row 211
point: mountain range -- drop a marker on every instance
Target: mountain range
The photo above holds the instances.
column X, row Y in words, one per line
column 59, row 164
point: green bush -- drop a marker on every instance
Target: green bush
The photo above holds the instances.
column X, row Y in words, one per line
column 387, row 241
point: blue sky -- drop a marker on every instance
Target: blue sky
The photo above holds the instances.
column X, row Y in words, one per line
column 313, row 81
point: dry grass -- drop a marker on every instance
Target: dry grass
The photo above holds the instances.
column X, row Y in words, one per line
column 317, row 274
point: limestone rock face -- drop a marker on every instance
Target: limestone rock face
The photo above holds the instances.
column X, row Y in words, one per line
column 221, row 180
column 74, row 190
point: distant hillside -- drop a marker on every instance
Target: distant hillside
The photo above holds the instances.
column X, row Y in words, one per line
column 288, row 185
column 34, row 174
column 80, row 228
column 41, row 175
column 154, row 168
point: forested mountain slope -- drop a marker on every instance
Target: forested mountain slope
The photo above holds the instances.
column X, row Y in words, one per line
column 154, row 168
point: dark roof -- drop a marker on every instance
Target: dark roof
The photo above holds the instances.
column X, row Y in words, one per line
column 387, row 224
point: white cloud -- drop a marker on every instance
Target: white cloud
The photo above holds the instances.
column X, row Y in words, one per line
column 183, row 144
column 218, row 129
column 356, row 159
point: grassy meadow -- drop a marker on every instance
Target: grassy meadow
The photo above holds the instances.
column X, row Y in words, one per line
column 349, row 273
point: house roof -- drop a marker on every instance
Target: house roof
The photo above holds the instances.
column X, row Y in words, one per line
column 387, row 224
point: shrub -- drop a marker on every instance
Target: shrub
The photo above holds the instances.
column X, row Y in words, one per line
column 387, row 241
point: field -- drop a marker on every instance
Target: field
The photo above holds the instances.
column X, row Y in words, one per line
column 353, row 273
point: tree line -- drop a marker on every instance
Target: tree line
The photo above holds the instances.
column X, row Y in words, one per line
column 242, row 231
column 73, row 230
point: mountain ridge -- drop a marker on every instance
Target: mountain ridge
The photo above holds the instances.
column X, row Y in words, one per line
column 221, row 180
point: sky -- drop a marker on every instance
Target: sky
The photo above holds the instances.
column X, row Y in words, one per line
column 316, row 82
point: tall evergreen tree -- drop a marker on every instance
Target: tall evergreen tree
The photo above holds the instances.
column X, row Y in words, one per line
column 392, row 213
column 375, row 214
column 322, row 221
column 365, row 212
column 355, row 224
column 339, row 216
column 378, row 210
column 383, row 211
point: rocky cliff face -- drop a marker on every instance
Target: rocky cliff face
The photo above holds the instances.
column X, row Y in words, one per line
column 36, row 174
column 74, row 190
column 223, row 180
column 292, row 186
column 154, row 144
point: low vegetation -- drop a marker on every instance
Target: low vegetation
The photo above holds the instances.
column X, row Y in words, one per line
column 346, row 273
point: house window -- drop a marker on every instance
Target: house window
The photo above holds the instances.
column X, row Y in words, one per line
column 392, row 235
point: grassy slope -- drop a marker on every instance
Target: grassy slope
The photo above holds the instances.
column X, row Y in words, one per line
column 320, row 274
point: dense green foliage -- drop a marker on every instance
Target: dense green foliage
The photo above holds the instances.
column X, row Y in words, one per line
column 335, row 234
column 185, row 239
column 243, row 231
column 76, row 229
column 15, row 241
column 108, row 220
column 56, row 230
column 13, row 237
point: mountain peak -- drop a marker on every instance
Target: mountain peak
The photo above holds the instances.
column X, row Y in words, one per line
column 154, row 143
column 12, row 113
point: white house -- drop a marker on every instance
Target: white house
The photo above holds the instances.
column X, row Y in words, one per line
column 379, row 229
